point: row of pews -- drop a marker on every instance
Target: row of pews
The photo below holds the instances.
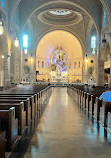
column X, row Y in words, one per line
column 19, row 107
column 88, row 99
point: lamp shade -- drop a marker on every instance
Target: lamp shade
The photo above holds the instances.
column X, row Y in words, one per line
column 1, row 28
column 16, row 42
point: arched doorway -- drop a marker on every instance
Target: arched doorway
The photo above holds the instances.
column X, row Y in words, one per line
column 59, row 58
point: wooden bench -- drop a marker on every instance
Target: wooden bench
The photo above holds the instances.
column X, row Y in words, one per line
column 23, row 98
column 27, row 96
column 81, row 102
column 20, row 114
column 88, row 99
column 9, row 123
column 97, row 105
column 2, row 142
column 91, row 104
column 84, row 100
column 27, row 107
column 105, row 114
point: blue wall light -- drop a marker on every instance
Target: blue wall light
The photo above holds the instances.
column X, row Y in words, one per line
column 2, row 3
column 25, row 41
column 93, row 42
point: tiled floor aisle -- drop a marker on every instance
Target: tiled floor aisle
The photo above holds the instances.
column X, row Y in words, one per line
column 66, row 132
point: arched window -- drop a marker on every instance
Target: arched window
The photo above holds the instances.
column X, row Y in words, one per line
column 47, row 64
column 38, row 63
column 74, row 64
column 2, row 3
column 42, row 64
column 104, row 19
column 79, row 64
column 70, row 65
column 93, row 42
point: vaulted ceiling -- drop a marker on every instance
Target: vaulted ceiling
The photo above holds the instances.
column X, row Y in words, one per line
column 36, row 19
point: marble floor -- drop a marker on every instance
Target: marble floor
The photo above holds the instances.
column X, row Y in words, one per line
column 65, row 131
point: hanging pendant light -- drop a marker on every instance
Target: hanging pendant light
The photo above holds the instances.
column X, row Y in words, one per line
column 1, row 28
column 25, row 51
column 86, row 59
column 16, row 42
column 3, row 56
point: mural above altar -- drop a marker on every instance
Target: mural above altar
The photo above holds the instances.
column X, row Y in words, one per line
column 58, row 66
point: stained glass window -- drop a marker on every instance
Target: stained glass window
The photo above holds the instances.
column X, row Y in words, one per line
column 104, row 19
column 79, row 64
column 2, row 3
column 74, row 64
column 58, row 60
column 38, row 63
column 93, row 42
column 42, row 64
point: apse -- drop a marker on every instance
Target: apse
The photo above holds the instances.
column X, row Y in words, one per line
column 59, row 57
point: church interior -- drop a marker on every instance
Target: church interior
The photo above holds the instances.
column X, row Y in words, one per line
column 55, row 79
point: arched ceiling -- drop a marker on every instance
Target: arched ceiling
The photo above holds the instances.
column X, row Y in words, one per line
column 59, row 38
column 92, row 8
column 16, row 3
column 35, row 19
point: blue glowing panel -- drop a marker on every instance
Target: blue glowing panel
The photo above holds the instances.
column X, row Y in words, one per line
column 2, row 3
column 93, row 42
column 104, row 21
column 93, row 52
column 25, row 41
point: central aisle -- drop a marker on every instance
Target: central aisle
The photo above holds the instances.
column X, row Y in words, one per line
column 66, row 132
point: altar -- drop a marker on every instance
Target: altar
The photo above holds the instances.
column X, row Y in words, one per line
column 58, row 66
column 62, row 77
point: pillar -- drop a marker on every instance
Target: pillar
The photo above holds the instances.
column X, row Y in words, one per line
column 7, row 70
column 100, row 68
column 17, row 62
column 110, row 53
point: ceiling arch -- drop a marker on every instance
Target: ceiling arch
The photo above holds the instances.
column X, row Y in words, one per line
column 70, row 31
column 16, row 3
column 61, row 39
column 93, row 10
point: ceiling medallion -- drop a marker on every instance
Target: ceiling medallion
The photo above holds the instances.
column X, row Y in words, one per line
column 60, row 12
column 60, row 17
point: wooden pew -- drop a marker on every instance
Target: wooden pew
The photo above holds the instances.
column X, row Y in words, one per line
column 106, row 112
column 24, row 95
column 81, row 98
column 20, row 114
column 27, row 107
column 97, row 105
column 84, row 100
column 88, row 99
column 9, row 124
column 23, row 98
column 91, row 104
column 2, row 142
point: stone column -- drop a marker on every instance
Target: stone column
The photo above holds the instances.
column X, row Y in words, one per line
column 33, row 70
column 110, row 53
column 100, row 69
column 110, row 66
column 7, row 70
column 17, row 62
